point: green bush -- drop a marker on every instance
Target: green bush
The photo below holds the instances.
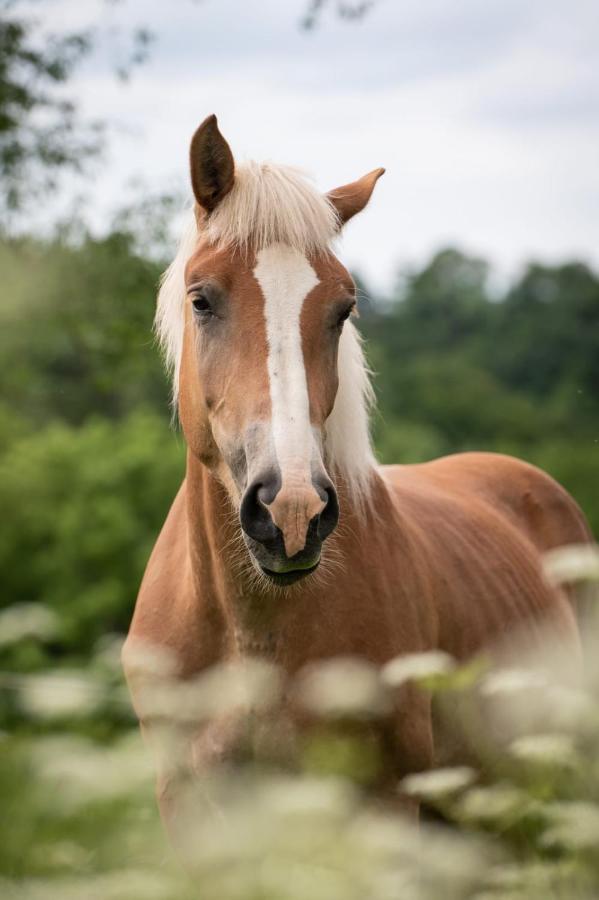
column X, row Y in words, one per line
column 574, row 463
column 86, row 505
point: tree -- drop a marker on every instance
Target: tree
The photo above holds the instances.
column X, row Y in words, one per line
column 547, row 334
column 41, row 131
column 350, row 11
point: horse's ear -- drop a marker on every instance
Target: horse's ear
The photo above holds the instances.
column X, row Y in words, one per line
column 212, row 165
column 352, row 198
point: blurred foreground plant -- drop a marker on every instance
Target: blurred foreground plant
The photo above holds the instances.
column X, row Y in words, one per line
column 521, row 821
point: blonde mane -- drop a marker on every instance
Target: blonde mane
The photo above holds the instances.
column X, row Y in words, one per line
column 268, row 204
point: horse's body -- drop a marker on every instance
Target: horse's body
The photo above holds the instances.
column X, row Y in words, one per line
column 453, row 561
column 443, row 555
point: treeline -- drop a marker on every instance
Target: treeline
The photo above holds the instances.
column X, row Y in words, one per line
column 461, row 367
column 476, row 369
column 89, row 462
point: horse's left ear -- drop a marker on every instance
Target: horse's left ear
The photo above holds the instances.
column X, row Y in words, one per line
column 212, row 165
column 352, row 198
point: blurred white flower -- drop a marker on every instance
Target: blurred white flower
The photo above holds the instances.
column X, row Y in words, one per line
column 553, row 749
column 572, row 710
column 247, row 685
column 493, row 803
column 82, row 772
column 27, row 620
column 307, row 796
column 450, row 864
column 59, row 694
column 417, row 666
column 146, row 660
column 342, row 687
column 577, row 562
column 574, row 825
column 509, row 681
column 438, row 782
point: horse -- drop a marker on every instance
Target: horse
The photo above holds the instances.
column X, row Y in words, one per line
column 286, row 540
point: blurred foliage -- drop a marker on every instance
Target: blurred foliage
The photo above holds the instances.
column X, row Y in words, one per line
column 76, row 329
column 521, row 822
column 86, row 505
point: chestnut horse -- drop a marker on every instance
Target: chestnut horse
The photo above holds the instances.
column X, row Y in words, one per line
column 286, row 539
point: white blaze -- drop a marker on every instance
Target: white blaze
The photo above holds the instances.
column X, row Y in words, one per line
column 286, row 278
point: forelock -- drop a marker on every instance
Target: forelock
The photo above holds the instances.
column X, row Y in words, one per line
column 271, row 204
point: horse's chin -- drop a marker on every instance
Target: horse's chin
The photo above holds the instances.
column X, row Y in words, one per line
column 289, row 576
column 278, row 569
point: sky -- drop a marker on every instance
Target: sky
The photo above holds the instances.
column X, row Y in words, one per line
column 485, row 114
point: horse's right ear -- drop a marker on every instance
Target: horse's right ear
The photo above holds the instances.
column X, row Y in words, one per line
column 212, row 165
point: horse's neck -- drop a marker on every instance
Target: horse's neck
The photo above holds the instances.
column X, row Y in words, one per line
column 254, row 618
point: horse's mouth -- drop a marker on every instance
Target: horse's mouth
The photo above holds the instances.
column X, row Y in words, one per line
column 290, row 577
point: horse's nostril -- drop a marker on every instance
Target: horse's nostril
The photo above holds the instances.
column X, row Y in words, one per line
column 266, row 493
column 255, row 518
column 329, row 516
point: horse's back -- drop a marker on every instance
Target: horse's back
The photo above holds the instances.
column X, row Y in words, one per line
column 528, row 497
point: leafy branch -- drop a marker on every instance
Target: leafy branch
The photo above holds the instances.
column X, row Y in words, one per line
column 350, row 12
column 41, row 131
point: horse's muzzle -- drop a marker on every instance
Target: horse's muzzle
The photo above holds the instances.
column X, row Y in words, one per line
column 285, row 529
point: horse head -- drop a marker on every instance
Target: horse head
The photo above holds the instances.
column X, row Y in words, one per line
column 269, row 370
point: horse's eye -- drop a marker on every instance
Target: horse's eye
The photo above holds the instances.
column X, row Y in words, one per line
column 344, row 315
column 201, row 305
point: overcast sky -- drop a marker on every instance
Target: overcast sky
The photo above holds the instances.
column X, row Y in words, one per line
column 485, row 114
